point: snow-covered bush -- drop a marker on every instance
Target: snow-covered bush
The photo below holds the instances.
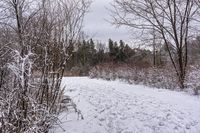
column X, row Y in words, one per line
column 30, row 41
column 21, row 110
column 154, row 77
column 193, row 79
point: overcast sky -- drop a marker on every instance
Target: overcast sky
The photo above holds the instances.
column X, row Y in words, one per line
column 98, row 28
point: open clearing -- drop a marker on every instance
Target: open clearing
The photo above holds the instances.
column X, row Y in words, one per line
column 117, row 107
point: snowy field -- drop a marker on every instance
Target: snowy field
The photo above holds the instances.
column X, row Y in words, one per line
column 117, row 107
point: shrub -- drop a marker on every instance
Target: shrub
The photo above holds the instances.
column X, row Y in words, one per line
column 154, row 77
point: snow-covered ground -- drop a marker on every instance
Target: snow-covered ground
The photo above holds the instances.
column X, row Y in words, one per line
column 117, row 107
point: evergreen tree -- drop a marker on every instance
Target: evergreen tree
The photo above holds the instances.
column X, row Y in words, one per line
column 91, row 47
column 111, row 47
column 121, row 53
column 128, row 51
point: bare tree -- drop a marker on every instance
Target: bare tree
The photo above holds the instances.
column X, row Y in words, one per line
column 37, row 35
column 61, row 26
column 172, row 19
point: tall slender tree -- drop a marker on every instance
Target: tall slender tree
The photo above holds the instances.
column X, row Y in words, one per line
column 172, row 19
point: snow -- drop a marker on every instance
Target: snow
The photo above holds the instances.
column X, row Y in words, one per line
column 117, row 107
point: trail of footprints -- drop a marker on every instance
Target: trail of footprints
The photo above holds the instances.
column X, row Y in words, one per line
column 122, row 113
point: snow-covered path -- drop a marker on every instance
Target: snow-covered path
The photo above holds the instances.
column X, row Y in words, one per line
column 116, row 107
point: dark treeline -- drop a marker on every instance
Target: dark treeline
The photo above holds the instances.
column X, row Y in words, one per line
column 88, row 54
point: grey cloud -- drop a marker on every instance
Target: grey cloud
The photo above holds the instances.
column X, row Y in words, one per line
column 98, row 28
